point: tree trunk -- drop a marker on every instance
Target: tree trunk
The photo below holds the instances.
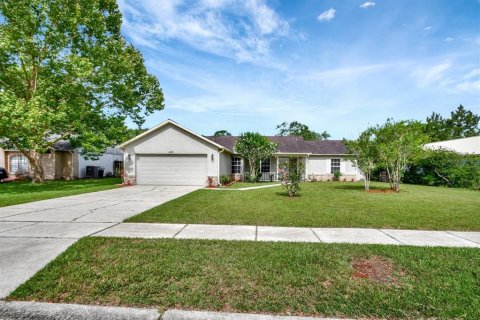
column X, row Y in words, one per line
column 36, row 165
column 367, row 181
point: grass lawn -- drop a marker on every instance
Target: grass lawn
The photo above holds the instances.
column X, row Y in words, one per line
column 24, row 191
column 326, row 204
column 281, row 278
column 238, row 185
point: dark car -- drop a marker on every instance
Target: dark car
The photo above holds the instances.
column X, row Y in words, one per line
column 3, row 174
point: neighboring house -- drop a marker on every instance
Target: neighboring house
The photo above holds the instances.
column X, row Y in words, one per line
column 469, row 145
column 63, row 162
column 170, row 154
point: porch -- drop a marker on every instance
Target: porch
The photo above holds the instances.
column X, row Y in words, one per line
column 270, row 168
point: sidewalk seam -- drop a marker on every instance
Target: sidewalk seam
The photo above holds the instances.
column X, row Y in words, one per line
column 94, row 233
column 389, row 235
column 456, row 235
column 178, row 232
column 316, row 235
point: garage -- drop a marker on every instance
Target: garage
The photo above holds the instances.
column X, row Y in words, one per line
column 174, row 170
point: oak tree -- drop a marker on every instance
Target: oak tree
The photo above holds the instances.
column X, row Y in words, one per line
column 67, row 73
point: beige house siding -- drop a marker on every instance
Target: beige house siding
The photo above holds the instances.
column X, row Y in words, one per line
column 48, row 162
column 225, row 164
column 319, row 168
column 2, row 158
column 172, row 140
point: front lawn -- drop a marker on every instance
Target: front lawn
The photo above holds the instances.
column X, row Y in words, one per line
column 239, row 185
column 338, row 280
column 18, row 192
column 326, row 204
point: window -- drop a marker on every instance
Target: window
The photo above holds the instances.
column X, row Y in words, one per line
column 236, row 165
column 18, row 164
column 334, row 165
column 265, row 166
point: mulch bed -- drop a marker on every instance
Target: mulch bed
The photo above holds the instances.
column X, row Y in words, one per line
column 380, row 191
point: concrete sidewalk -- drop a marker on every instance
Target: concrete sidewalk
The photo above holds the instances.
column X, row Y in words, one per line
column 34, row 233
column 289, row 234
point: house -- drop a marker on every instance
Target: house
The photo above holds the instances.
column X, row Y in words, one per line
column 63, row 162
column 170, row 154
column 469, row 145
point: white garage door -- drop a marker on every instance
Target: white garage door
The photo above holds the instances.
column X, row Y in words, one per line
column 177, row 170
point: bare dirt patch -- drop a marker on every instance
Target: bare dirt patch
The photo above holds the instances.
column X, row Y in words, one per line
column 380, row 191
column 376, row 269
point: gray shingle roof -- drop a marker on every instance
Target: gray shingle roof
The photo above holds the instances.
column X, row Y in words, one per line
column 292, row 144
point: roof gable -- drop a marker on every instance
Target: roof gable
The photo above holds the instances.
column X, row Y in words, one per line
column 173, row 123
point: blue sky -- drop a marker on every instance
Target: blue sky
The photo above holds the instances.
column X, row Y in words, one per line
column 334, row 65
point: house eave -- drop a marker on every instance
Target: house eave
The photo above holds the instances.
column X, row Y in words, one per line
column 161, row 125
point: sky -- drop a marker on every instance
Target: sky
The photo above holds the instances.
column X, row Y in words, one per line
column 335, row 65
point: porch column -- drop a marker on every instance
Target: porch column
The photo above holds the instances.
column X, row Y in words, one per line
column 276, row 157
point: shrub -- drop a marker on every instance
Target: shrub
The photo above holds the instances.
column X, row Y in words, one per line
column 225, row 179
column 336, row 175
column 292, row 171
column 446, row 168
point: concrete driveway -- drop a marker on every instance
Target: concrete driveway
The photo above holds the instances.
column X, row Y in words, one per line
column 34, row 233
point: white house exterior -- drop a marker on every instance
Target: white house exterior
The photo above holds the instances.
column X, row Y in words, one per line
column 469, row 145
column 170, row 154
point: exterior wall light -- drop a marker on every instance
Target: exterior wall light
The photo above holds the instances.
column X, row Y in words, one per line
column 212, row 157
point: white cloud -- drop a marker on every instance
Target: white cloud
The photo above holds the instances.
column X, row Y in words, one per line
column 448, row 39
column 427, row 28
column 431, row 75
column 327, row 15
column 473, row 74
column 242, row 30
column 367, row 5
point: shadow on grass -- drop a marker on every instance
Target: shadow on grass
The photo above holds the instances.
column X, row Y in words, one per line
column 285, row 194
column 26, row 186
column 362, row 188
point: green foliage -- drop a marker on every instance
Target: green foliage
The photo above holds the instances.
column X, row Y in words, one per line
column 254, row 147
column 292, row 173
column 225, row 179
column 296, row 128
column 446, row 168
column 67, row 73
column 222, row 133
column 462, row 123
column 398, row 144
column 130, row 133
column 364, row 154
column 336, row 175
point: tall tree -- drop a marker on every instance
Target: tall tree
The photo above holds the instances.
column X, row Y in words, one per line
column 222, row 133
column 131, row 133
column 296, row 128
column 254, row 147
column 462, row 123
column 398, row 144
column 364, row 153
column 67, row 73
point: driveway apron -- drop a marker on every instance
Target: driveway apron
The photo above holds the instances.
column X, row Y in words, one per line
column 32, row 234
